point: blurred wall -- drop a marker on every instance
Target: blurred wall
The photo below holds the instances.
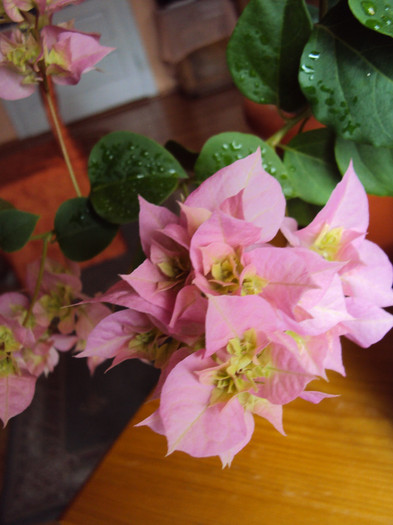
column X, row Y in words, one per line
column 144, row 16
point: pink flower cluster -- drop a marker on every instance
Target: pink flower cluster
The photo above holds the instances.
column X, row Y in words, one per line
column 30, row 340
column 238, row 325
column 38, row 49
column 15, row 10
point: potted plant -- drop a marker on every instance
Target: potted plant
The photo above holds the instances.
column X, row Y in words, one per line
column 246, row 290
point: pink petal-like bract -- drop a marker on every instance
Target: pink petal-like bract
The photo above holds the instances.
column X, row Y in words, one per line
column 190, row 424
column 114, row 332
column 151, row 219
column 77, row 53
column 229, row 317
column 12, row 86
column 16, row 394
column 13, row 8
column 369, row 324
column 263, row 202
column 347, row 208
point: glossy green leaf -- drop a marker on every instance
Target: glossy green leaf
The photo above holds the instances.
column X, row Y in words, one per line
column 374, row 166
column 309, row 160
column 346, row 72
column 123, row 165
column 225, row 148
column 80, row 232
column 374, row 14
column 16, row 227
column 265, row 48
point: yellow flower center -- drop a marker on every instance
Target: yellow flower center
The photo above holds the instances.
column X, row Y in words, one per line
column 54, row 302
column 328, row 242
column 8, row 344
column 226, row 274
column 253, row 285
column 23, row 57
column 175, row 268
column 56, row 58
column 155, row 346
column 242, row 371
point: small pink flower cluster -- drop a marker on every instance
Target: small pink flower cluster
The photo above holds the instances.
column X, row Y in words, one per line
column 238, row 325
column 30, row 340
column 37, row 48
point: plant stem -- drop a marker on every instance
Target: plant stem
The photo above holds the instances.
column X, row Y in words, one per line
column 39, row 236
column 46, row 240
column 53, row 112
column 275, row 139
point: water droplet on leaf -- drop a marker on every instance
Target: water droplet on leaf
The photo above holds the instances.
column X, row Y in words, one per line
column 369, row 8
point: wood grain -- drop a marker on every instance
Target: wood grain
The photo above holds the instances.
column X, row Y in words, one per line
column 335, row 466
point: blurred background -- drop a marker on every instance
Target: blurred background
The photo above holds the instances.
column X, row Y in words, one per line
column 160, row 45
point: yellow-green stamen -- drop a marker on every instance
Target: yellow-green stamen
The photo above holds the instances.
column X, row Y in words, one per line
column 242, row 371
column 154, row 346
column 8, row 345
column 328, row 242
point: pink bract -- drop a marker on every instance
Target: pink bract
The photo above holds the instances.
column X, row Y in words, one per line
column 338, row 234
column 262, row 202
column 190, row 424
column 69, row 53
column 19, row 75
column 13, row 8
column 16, row 394
column 248, row 325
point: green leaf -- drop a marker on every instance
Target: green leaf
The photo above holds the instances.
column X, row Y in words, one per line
column 80, row 232
column 225, row 148
column 309, row 160
column 346, row 72
column 16, row 227
column 302, row 211
column 375, row 14
column 123, row 165
column 265, row 48
column 374, row 166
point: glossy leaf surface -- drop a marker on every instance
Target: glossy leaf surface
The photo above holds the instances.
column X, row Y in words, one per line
column 16, row 227
column 80, row 232
column 309, row 160
column 346, row 72
column 123, row 165
column 374, row 14
column 374, row 166
column 265, row 48
column 225, row 148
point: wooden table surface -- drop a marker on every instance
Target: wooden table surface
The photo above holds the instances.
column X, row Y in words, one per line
column 335, row 466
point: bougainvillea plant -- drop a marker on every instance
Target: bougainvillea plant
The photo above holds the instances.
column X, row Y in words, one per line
column 246, row 288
